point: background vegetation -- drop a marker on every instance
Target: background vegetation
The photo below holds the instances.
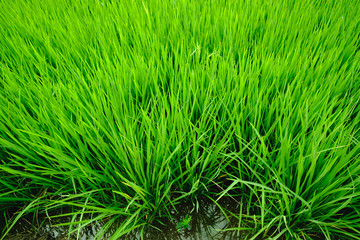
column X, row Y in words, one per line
column 123, row 109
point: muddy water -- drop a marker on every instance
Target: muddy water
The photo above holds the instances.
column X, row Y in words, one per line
column 203, row 220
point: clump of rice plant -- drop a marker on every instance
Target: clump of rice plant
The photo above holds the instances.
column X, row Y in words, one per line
column 121, row 110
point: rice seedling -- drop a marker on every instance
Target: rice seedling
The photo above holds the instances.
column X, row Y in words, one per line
column 122, row 110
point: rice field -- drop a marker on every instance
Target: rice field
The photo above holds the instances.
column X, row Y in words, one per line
column 123, row 110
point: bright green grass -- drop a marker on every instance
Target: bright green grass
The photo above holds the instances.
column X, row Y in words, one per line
column 122, row 109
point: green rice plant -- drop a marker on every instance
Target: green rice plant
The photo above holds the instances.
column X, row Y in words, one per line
column 122, row 110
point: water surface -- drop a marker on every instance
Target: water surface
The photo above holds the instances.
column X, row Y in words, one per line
column 190, row 221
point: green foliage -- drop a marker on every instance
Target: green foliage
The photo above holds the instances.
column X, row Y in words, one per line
column 184, row 223
column 122, row 109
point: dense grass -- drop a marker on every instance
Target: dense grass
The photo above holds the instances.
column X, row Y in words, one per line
column 123, row 109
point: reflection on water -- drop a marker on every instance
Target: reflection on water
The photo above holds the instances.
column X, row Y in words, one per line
column 206, row 223
column 203, row 220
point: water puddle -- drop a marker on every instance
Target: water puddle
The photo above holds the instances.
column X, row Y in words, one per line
column 204, row 220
